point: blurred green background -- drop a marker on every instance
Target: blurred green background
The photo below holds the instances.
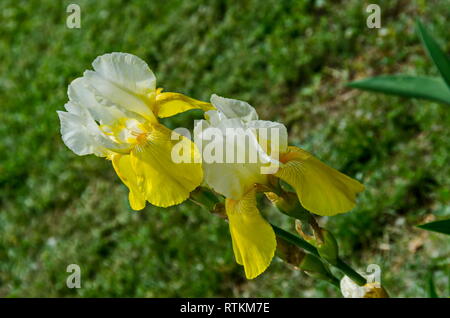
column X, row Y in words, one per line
column 291, row 60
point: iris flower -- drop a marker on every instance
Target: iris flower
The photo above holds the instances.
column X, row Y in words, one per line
column 113, row 112
column 320, row 188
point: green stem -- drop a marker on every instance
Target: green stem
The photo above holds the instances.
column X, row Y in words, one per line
column 336, row 282
column 346, row 269
column 295, row 240
column 351, row 273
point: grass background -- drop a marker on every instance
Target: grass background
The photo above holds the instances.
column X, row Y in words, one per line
column 291, row 60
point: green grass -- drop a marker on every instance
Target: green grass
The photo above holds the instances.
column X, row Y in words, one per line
column 291, row 60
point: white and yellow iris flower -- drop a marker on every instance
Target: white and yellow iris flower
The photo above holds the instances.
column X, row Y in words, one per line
column 112, row 112
column 320, row 188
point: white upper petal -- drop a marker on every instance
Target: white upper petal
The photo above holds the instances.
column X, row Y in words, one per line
column 233, row 108
column 265, row 138
column 214, row 117
column 272, row 136
column 233, row 179
column 109, row 94
column 81, row 94
column 126, row 71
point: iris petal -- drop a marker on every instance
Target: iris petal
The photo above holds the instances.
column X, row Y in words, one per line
column 233, row 108
column 163, row 181
column 123, row 168
column 320, row 188
column 170, row 104
column 253, row 238
column 127, row 71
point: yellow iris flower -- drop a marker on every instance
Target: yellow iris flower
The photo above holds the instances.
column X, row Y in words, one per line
column 112, row 112
column 320, row 188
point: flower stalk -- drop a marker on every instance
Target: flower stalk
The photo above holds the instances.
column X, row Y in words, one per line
column 340, row 264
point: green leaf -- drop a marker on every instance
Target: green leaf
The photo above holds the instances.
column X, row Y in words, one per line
column 439, row 58
column 431, row 287
column 442, row 226
column 430, row 88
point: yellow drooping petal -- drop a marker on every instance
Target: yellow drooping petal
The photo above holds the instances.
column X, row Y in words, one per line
column 320, row 188
column 123, row 168
column 170, row 104
column 253, row 238
column 163, row 181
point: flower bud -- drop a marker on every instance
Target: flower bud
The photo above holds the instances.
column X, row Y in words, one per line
column 289, row 253
column 311, row 239
column 306, row 262
column 323, row 240
column 287, row 203
column 314, row 267
column 328, row 249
